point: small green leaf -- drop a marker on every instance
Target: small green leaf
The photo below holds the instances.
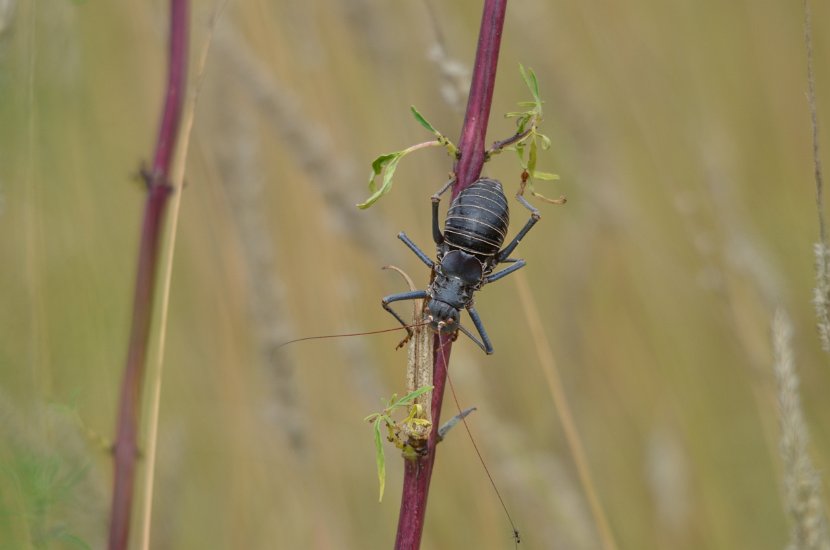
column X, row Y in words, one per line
column 532, row 84
column 378, row 165
column 520, row 152
column 531, row 157
column 385, row 164
column 546, row 176
column 522, row 122
column 381, row 161
column 408, row 398
column 422, row 121
column 390, row 403
column 380, row 459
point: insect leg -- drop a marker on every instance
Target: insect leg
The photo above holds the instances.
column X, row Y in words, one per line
column 411, row 295
column 504, row 272
column 485, row 343
column 414, row 248
column 436, row 198
column 534, row 217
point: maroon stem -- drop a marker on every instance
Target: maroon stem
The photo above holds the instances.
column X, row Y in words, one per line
column 418, row 472
column 474, row 131
column 126, row 441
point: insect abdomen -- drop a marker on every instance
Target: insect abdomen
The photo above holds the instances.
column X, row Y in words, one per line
column 478, row 218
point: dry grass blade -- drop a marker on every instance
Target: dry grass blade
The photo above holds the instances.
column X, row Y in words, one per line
column 821, row 293
column 560, row 401
column 177, row 181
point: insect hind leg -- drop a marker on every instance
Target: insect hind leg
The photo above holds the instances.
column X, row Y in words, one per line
column 535, row 215
column 436, row 198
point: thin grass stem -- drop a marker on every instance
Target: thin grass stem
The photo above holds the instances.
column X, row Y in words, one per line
column 157, row 366
column 158, row 191
column 563, row 409
column 821, row 293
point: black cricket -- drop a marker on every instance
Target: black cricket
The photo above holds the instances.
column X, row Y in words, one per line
column 468, row 252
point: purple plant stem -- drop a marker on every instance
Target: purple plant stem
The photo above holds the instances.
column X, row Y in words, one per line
column 158, row 190
column 418, row 472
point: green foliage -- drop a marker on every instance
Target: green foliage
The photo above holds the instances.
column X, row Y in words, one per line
column 442, row 139
column 423, row 121
column 39, row 489
column 387, row 163
column 530, row 139
column 527, row 142
column 384, row 418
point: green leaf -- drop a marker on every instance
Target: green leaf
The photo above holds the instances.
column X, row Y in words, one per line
column 532, row 84
column 385, row 164
column 520, row 152
column 408, row 398
column 422, row 121
column 531, row 157
column 546, row 176
column 380, row 459
column 391, row 402
column 378, row 165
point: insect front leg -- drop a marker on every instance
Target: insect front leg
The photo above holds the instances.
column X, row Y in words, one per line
column 485, row 343
column 411, row 295
column 414, row 248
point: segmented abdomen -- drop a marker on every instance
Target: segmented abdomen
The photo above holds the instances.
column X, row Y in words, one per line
column 478, row 218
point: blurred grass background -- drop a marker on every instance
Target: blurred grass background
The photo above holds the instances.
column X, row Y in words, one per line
column 681, row 133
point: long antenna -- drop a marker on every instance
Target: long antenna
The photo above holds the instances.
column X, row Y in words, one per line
column 350, row 334
column 516, row 537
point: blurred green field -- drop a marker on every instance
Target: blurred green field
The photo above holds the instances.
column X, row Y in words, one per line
column 682, row 137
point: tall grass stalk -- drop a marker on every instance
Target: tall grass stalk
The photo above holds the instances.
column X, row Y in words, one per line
column 821, row 293
column 418, row 471
column 38, row 336
column 157, row 366
column 560, row 401
column 802, row 482
column 158, row 191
